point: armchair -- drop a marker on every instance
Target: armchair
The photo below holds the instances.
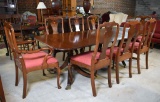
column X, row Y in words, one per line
column 29, row 61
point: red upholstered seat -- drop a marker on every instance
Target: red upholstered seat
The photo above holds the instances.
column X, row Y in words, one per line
column 115, row 49
column 41, row 28
column 36, row 59
column 136, row 45
column 85, row 58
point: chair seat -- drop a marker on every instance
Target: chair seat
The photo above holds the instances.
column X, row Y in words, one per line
column 85, row 58
column 136, row 45
column 115, row 49
column 41, row 28
column 36, row 59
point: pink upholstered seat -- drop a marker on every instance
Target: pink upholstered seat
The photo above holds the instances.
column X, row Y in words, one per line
column 36, row 59
column 115, row 49
column 85, row 58
column 136, row 45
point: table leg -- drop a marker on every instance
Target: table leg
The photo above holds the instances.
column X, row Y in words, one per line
column 66, row 63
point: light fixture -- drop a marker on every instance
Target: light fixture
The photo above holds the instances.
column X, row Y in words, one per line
column 41, row 6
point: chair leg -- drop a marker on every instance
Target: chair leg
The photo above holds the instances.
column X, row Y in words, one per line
column 147, row 59
column 117, row 72
column 24, row 84
column 44, row 74
column 113, row 64
column 58, row 77
column 109, row 77
column 130, row 67
column 16, row 71
column 152, row 46
column 93, row 84
column 64, row 55
column 10, row 53
column 138, row 63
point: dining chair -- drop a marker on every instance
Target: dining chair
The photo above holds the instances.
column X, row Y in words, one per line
column 29, row 61
column 76, row 23
column 143, row 20
column 143, row 45
column 4, row 17
column 54, row 25
column 122, row 51
column 94, row 60
column 93, row 23
column 16, row 20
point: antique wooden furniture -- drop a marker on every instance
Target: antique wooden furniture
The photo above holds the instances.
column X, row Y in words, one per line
column 156, row 36
column 28, row 61
column 74, row 40
column 2, row 97
column 93, row 22
column 122, row 51
column 69, row 7
column 54, row 25
column 143, row 45
column 76, row 23
column 94, row 60
column 4, row 17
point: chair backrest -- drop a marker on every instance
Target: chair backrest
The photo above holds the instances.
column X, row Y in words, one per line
column 92, row 22
column 149, row 30
column 54, row 25
column 134, row 29
column 105, row 38
column 17, row 18
column 10, row 35
column 76, row 23
column 143, row 20
column 3, row 18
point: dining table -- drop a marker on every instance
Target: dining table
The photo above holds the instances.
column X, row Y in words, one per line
column 75, row 40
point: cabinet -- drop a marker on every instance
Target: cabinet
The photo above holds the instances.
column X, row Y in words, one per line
column 69, row 7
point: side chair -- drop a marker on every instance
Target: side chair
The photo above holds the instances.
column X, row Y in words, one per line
column 93, row 23
column 54, row 25
column 76, row 23
column 29, row 61
column 94, row 60
column 122, row 51
column 143, row 45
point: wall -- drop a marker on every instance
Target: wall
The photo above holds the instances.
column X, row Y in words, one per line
column 146, row 7
column 27, row 5
column 125, row 6
column 100, row 6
